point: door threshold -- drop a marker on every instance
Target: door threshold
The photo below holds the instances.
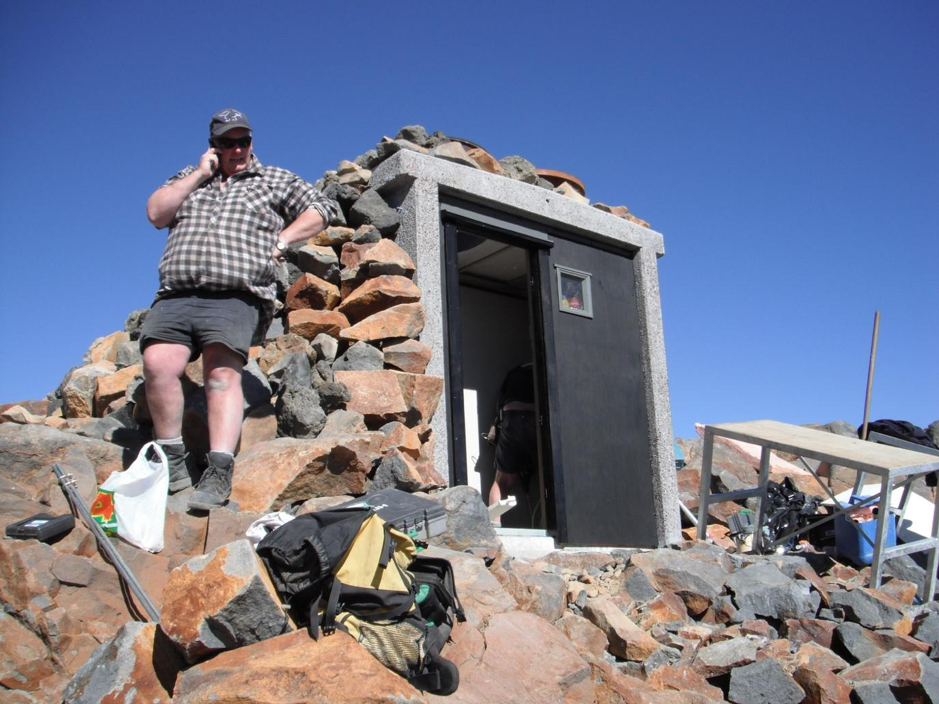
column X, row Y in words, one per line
column 526, row 543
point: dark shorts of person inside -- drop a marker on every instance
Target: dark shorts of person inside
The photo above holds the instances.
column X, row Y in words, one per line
column 517, row 449
column 200, row 319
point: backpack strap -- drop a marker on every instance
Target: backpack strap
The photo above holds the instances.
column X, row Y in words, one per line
column 332, row 608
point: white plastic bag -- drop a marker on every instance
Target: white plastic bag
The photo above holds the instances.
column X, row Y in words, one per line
column 140, row 498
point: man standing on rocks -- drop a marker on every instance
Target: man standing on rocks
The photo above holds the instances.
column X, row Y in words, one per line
column 230, row 221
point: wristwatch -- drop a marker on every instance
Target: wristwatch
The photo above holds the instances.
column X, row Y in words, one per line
column 281, row 246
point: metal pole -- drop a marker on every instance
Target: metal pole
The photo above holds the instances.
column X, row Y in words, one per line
column 118, row 562
column 870, row 374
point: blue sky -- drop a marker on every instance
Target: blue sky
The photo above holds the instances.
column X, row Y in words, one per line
column 788, row 152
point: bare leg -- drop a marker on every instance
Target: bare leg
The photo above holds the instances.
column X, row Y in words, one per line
column 164, row 364
column 503, row 486
column 222, row 370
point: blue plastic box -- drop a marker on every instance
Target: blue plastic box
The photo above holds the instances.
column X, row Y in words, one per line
column 850, row 543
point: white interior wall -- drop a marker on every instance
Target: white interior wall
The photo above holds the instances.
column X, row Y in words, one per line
column 495, row 339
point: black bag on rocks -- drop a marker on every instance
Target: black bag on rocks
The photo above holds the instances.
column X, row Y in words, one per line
column 346, row 569
column 787, row 510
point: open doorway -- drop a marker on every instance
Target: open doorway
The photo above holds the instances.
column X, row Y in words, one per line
column 496, row 336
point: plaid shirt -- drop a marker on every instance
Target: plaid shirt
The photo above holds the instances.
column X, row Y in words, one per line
column 221, row 239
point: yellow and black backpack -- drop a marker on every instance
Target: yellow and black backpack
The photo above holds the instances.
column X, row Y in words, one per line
column 345, row 568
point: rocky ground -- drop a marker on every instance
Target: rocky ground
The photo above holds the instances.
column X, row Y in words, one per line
column 337, row 404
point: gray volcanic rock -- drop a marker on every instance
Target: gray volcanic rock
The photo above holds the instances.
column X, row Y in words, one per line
column 371, row 209
column 299, row 414
column 360, row 357
column 467, row 520
column 763, row 681
column 868, row 608
column 292, row 372
column 763, row 589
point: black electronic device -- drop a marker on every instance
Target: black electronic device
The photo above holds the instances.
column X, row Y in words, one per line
column 42, row 527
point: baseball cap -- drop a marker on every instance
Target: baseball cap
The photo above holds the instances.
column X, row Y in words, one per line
column 227, row 119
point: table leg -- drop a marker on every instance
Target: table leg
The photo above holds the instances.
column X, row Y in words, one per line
column 761, row 509
column 929, row 587
column 704, row 488
column 883, row 514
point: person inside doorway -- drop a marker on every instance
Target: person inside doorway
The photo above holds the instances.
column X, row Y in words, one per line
column 516, row 458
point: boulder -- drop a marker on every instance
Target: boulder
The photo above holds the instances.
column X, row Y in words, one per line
column 283, row 345
column 764, row 590
column 220, row 601
column 342, row 422
column 78, row 391
column 397, row 435
column 809, row 630
column 366, row 234
column 421, row 393
column 111, row 387
column 468, row 523
column 587, row 638
column 137, row 664
column 378, row 294
column 455, row 152
column 27, row 454
column 404, row 320
column 519, row 169
column 912, row 677
column 374, row 258
column 397, row 471
column 926, row 630
column 408, row 356
column 872, row 609
column 319, row 261
column 697, row 581
column 485, row 161
column 720, row 658
column 105, row 349
column 310, row 291
column 360, row 357
column 682, row 678
column 25, row 663
column 535, row 591
column 310, row 323
column 626, row 639
column 299, row 413
column 371, row 209
column 326, row 347
column 821, row 685
column 332, row 236
column 517, row 643
column 259, row 425
column 296, row 668
column 270, row 475
column 763, row 681
column 377, row 395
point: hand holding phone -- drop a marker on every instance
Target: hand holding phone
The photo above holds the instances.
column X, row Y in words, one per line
column 208, row 162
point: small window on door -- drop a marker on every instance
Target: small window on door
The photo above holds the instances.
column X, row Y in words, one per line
column 574, row 291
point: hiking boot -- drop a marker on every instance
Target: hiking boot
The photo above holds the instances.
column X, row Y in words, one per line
column 214, row 488
column 177, row 460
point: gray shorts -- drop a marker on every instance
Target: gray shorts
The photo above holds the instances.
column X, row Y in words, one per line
column 199, row 319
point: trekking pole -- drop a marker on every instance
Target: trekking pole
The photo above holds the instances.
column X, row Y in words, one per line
column 68, row 486
column 870, row 373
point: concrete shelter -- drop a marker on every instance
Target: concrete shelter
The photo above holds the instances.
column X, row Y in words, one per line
column 512, row 273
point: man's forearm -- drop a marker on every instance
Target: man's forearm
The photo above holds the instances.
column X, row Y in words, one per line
column 165, row 201
column 307, row 224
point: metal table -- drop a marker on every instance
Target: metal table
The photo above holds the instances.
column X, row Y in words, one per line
column 895, row 466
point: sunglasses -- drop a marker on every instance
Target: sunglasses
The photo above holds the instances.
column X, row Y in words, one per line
column 229, row 143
